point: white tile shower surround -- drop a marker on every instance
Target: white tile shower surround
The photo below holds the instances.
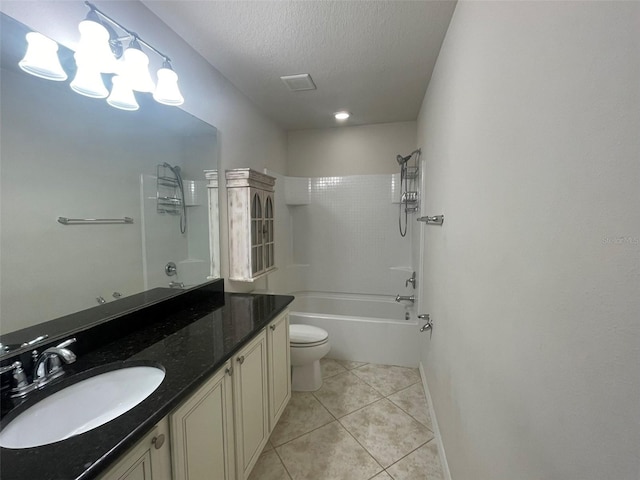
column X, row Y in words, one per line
column 350, row 220
column 366, row 422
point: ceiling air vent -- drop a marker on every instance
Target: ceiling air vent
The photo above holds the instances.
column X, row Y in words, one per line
column 297, row 83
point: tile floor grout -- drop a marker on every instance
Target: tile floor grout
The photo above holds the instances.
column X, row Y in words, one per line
column 400, row 465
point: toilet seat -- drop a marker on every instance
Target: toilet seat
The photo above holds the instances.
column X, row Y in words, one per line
column 301, row 336
column 307, row 345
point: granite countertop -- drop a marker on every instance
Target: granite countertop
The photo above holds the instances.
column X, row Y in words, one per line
column 190, row 344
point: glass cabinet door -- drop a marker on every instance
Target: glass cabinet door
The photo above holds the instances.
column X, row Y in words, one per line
column 268, row 231
column 257, row 263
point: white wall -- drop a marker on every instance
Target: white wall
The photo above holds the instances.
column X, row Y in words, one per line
column 368, row 149
column 246, row 137
column 530, row 132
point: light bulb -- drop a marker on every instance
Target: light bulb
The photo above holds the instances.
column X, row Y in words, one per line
column 135, row 68
column 122, row 96
column 88, row 81
column 94, row 45
column 42, row 59
column 341, row 115
column 167, row 91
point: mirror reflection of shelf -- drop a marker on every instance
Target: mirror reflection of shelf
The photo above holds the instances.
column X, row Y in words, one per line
column 168, row 196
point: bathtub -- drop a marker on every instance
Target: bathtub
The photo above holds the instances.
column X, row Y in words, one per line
column 362, row 328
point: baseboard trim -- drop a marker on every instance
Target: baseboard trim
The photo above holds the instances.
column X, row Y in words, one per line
column 436, row 430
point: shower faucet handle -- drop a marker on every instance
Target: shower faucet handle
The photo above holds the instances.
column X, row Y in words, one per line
column 411, row 281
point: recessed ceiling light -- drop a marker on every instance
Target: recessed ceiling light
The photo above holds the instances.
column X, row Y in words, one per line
column 341, row 115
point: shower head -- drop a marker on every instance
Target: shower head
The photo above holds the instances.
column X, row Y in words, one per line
column 402, row 160
column 173, row 169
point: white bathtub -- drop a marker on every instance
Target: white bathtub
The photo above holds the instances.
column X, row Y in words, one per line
column 363, row 328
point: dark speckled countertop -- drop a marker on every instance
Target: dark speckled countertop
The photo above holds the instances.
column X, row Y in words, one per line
column 190, row 343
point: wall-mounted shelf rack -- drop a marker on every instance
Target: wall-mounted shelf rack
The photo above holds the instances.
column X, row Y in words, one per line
column 435, row 220
column 93, row 221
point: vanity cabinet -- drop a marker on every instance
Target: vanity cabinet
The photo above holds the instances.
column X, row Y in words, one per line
column 251, row 212
column 202, row 431
column 149, row 459
column 251, row 403
column 220, row 431
column 279, row 363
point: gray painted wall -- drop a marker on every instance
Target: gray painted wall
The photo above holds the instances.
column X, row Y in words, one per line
column 530, row 129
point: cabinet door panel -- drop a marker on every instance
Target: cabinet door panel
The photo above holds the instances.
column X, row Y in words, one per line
column 140, row 470
column 202, row 433
column 145, row 461
column 279, row 367
column 251, row 404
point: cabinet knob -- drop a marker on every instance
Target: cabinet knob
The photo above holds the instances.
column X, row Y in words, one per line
column 272, row 327
column 158, row 441
column 241, row 359
column 229, row 371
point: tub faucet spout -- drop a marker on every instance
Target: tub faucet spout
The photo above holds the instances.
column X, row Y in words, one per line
column 410, row 298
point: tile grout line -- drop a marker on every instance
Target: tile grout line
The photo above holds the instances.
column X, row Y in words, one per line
column 359, row 408
column 412, row 451
column 283, row 464
column 302, row 435
column 412, row 416
column 363, row 447
column 379, row 392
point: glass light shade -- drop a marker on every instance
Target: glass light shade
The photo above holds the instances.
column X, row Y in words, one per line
column 122, row 96
column 88, row 81
column 94, row 46
column 167, row 91
column 135, row 68
column 42, row 59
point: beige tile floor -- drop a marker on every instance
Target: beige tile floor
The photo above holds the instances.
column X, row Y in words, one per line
column 366, row 422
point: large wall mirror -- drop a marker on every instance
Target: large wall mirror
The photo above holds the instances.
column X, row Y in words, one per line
column 66, row 155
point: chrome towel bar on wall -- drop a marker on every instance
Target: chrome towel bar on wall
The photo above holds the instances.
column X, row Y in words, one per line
column 435, row 220
column 99, row 221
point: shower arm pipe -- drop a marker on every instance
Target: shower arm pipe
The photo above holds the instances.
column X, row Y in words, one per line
column 130, row 33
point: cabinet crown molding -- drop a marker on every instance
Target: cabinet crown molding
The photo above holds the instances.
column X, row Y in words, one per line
column 247, row 177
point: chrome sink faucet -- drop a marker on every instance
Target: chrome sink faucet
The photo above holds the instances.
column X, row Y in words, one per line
column 49, row 364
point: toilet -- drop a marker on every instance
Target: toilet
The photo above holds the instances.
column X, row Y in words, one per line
column 308, row 345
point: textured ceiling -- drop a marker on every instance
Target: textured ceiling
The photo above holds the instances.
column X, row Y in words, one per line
column 372, row 58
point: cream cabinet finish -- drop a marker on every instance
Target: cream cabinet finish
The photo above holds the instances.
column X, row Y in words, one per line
column 202, row 432
column 220, row 431
column 279, row 363
column 251, row 404
column 149, row 459
column 251, row 213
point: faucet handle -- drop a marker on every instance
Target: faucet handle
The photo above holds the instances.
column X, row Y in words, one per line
column 10, row 368
column 21, row 385
column 411, row 281
column 66, row 343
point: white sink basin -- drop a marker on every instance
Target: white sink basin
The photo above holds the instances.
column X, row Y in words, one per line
column 81, row 407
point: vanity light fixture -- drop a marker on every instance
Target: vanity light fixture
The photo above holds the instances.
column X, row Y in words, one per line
column 167, row 91
column 88, row 81
column 135, row 68
column 96, row 44
column 99, row 52
column 342, row 115
column 122, row 96
column 42, row 59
